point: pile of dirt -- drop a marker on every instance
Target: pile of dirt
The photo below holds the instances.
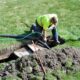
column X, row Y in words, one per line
column 28, row 67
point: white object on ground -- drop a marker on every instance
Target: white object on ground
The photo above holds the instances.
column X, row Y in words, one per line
column 21, row 52
column 35, row 47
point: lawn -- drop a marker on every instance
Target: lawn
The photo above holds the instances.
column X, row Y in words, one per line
column 15, row 14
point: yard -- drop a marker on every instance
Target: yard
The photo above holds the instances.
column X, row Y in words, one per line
column 15, row 14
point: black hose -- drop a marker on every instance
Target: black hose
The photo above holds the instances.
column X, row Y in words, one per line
column 19, row 36
column 22, row 37
column 11, row 35
column 44, row 43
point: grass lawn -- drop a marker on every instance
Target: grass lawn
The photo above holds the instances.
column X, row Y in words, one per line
column 14, row 13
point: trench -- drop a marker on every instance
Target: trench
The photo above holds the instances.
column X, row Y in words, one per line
column 14, row 47
column 11, row 57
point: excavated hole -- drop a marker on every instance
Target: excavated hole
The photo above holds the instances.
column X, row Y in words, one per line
column 11, row 57
column 53, row 44
column 14, row 57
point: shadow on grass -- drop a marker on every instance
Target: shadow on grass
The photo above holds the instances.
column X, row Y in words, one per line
column 63, row 41
column 79, row 39
column 15, row 36
column 72, row 40
column 22, row 38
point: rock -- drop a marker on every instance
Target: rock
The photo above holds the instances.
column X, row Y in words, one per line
column 29, row 69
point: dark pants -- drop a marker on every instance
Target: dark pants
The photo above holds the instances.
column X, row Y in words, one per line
column 55, row 34
column 38, row 28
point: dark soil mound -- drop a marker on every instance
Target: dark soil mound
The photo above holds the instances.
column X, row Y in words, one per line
column 28, row 67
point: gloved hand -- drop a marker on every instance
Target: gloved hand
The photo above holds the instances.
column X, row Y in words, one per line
column 45, row 39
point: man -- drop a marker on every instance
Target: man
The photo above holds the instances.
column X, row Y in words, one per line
column 44, row 23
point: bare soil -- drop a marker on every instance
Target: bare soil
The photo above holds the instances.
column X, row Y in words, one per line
column 26, row 67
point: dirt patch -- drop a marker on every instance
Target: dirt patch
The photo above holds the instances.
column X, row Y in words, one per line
column 28, row 68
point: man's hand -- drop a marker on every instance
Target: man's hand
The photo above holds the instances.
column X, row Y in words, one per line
column 45, row 39
column 44, row 35
column 51, row 27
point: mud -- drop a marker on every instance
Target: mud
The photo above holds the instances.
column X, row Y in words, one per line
column 27, row 68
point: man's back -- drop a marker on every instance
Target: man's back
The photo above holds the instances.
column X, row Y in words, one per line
column 44, row 20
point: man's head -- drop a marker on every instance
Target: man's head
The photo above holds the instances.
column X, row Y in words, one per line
column 53, row 20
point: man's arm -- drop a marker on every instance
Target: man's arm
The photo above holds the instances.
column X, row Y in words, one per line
column 51, row 27
column 44, row 35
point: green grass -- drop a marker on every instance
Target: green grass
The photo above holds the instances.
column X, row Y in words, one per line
column 14, row 13
column 75, row 76
column 69, row 76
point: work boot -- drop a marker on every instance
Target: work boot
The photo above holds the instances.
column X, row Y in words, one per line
column 57, row 42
